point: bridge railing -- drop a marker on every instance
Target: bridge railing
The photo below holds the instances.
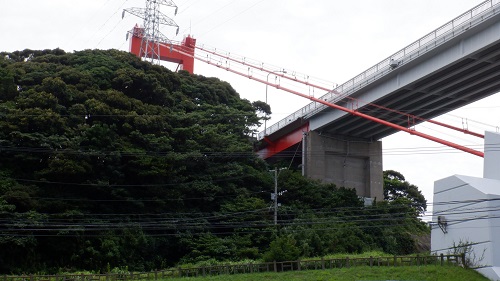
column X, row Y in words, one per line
column 441, row 35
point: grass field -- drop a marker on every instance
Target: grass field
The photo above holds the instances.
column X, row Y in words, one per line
column 408, row 273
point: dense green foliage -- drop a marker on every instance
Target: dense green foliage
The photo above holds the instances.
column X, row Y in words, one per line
column 396, row 188
column 108, row 161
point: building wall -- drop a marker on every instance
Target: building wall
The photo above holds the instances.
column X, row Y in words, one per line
column 471, row 208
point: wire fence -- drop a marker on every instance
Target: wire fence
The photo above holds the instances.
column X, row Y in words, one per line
column 298, row 265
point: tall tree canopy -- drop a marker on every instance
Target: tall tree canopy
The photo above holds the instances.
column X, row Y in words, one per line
column 89, row 134
column 109, row 161
column 396, row 188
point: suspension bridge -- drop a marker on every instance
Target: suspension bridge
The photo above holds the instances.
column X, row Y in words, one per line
column 336, row 137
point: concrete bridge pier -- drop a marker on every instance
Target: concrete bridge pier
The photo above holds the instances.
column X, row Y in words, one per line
column 345, row 161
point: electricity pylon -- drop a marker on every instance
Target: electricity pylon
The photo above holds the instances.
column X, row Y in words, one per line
column 153, row 18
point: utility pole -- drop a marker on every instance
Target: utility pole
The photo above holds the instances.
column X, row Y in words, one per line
column 274, row 196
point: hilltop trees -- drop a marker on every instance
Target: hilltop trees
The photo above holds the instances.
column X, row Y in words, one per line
column 109, row 161
column 102, row 154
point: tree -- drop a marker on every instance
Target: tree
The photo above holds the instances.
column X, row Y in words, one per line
column 396, row 187
column 112, row 161
column 263, row 109
column 7, row 87
column 96, row 133
column 283, row 248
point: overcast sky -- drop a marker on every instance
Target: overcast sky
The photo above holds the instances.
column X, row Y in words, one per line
column 329, row 39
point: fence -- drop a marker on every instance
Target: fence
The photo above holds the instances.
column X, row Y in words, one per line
column 457, row 260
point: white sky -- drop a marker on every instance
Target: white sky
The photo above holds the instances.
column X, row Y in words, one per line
column 329, row 39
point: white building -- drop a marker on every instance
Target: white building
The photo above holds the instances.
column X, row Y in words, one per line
column 467, row 211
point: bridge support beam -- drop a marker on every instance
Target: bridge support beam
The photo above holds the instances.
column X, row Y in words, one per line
column 345, row 161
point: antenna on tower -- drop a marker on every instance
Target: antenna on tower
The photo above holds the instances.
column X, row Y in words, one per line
column 152, row 38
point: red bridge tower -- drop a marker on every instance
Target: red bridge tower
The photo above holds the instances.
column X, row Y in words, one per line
column 148, row 41
column 182, row 53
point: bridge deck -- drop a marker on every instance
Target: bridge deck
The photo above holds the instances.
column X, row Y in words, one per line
column 454, row 65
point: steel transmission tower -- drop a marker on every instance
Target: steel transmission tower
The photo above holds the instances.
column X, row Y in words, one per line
column 152, row 38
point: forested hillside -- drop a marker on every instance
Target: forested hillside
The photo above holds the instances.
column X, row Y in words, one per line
column 108, row 161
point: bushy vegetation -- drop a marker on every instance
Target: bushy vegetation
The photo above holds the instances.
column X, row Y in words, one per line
column 108, row 161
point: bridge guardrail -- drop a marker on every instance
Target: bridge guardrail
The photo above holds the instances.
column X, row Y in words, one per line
column 430, row 41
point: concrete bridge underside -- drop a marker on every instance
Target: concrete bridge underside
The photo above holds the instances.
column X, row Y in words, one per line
column 345, row 149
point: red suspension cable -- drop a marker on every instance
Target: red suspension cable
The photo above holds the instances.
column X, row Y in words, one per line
column 294, row 79
column 350, row 111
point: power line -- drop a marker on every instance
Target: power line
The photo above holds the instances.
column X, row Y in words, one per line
column 221, row 153
column 183, row 223
column 90, row 20
column 104, row 24
column 348, row 213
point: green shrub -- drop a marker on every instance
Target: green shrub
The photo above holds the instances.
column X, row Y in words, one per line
column 283, row 248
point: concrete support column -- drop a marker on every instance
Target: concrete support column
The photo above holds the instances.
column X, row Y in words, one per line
column 345, row 161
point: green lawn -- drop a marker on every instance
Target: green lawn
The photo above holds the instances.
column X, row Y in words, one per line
column 413, row 273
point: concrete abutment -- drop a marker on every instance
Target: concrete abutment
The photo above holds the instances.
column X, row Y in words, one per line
column 345, row 161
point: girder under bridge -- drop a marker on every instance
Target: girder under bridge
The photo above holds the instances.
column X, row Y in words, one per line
column 454, row 65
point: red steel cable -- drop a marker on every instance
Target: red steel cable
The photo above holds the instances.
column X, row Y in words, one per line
column 353, row 112
column 294, row 79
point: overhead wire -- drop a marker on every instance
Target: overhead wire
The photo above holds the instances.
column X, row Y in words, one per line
column 132, row 200
column 199, row 229
column 233, row 17
column 76, row 184
column 208, row 16
column 220, row 154
column 347, row 212
column 105, row 23
column 115, row 26
column 182, row 5
column 105, row 36
column 160, row 222
column 90, row 20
